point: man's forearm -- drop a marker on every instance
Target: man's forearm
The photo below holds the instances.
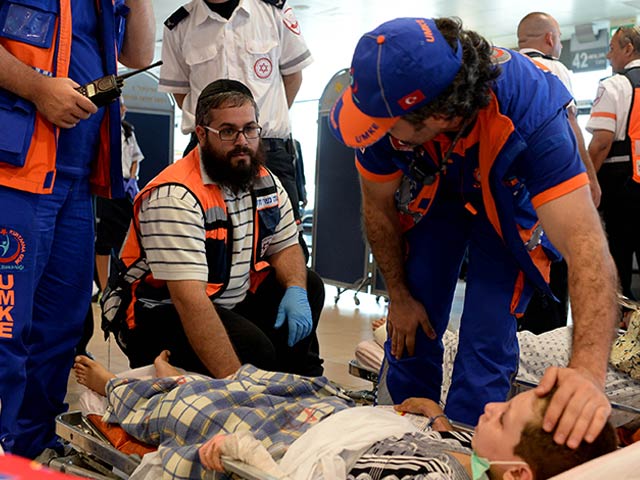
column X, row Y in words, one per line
column 204, row 329
column 18, row 77
column 55, row 97
column 292, row 85
column 210, row 341
column 383, row 234
column 599, row 147
column 582, row 150
column 593, row 285
column 179, row 98
column 289, row 267
column 597, row 158
column 139, row 36
column 133, row 172
column 573, row 225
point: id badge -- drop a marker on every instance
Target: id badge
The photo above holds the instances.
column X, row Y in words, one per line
column 27, row 24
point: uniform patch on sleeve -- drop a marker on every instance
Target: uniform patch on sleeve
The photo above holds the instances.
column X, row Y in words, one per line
column 598, row 95
column 290, row 21
column 499, row 56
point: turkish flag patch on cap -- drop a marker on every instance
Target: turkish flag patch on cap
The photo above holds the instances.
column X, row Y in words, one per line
column 411, row 99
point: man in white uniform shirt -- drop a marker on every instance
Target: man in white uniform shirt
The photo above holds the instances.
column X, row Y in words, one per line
column 613, row 151
column 214, row 269
column 252, row 41
column 539, row 38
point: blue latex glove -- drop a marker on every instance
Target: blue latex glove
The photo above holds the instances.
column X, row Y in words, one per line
column 131, row 187
column 294, row 306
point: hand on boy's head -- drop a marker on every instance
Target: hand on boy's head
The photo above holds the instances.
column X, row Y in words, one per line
column 579, row 408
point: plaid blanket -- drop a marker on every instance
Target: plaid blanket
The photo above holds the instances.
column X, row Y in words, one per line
column 179, row 414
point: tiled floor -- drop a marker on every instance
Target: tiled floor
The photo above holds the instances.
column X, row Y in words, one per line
column 342, row 325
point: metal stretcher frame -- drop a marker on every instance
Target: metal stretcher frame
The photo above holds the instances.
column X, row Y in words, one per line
column 97, row 453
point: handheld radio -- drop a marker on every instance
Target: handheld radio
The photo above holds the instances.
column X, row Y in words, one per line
column 106, row 89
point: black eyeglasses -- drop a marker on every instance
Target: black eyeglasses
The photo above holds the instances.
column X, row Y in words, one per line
column 231, row 134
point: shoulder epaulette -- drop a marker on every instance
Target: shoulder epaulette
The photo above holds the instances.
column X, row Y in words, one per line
column 176, row 17
column 276, row 3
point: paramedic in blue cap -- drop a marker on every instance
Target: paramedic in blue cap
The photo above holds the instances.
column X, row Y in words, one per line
column 464, row 146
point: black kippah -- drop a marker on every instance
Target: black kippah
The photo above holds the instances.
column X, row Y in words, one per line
column 224, row 85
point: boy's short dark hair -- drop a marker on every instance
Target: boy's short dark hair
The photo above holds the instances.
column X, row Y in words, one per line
column 546, row 458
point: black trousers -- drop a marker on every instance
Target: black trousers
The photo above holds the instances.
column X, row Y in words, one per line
column 543, row 313
column 249, row 326
column 620, row 210
column 113, row 217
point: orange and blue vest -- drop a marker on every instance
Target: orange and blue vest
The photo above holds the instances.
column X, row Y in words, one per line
column 218, row 232
column 28, row 150
column 630, row 146
column 501, row 138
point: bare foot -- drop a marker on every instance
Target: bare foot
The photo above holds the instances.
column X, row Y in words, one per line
column 163, row 367
column 91, row 374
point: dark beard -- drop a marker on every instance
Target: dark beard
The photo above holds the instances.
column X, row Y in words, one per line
column 221, row 170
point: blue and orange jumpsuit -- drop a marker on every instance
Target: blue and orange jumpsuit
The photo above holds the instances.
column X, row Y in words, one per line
column 46, row 224
column 518, row 154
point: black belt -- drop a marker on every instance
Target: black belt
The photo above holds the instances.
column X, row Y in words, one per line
column 272, row 144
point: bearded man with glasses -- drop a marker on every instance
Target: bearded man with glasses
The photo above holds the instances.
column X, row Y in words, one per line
column 212, row 269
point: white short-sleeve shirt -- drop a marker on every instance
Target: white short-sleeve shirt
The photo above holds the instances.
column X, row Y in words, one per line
column 256, row 46
column 555, row 66
column 610, row 110
column 130, row 153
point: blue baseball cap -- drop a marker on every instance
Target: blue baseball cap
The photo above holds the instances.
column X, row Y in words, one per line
column 400, row 66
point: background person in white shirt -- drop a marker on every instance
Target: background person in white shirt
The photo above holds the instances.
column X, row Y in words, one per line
column 539, row 38
column 251, row 41
column 613, row 151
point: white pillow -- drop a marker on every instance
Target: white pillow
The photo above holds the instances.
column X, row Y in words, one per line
column 623, row 464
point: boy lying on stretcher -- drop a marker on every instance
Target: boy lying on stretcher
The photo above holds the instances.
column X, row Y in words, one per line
column 189, row 417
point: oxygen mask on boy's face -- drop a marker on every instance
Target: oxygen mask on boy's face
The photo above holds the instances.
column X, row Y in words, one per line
column 480, row 466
